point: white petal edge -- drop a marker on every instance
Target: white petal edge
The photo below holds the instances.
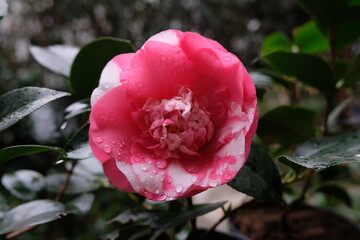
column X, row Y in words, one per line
column 109, row 79
column 169, row 37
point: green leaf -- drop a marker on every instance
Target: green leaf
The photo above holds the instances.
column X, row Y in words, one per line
column 336, row 192
column 275, row 42
column 326, row 13
column 310, row 39
column 287, row 125
column 89, row 63
column 259, row 176
column 348, row 30
column 77, row 184
column 81, row 205
column 77, row 108
column 19, row 103
column 23, row 150
column 57, row 58
column 23, row 184
column 306, row 68
column 353, row 3
column 30, row 214
column 78, row 146
column 162, row 222
column 323, row 152
column 352, row 74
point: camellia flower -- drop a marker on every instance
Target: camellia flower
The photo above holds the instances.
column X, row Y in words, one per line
column 173, row 119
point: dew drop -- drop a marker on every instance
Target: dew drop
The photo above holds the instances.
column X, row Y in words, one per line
column 154, row 171
column 107, row 148
column 161, row 178
column 162, row 197
column 193, row 169
column 143, row 167
column 225, row 166
column 227, row 58
column 194, row 178
column 151, row 176
column 169, row 179
column 63, row 126
column 99, row 140
column 213, row 183
column 149, row 162
column 179, row 188
column 161, row 164
column 227, row 176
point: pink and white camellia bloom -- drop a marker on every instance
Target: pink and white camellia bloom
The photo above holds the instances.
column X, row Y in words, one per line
column 174, row 118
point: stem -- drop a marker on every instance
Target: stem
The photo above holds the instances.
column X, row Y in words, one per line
column 58, row 197
column 191, row 205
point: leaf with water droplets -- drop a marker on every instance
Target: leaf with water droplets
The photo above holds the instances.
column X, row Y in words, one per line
column 23, row 184
column 323, row 152
column 259, row 176
column 30, row 214
column 19, row 103
column 23, row 150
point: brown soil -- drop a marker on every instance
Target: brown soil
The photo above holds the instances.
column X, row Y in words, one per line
column 302, row 222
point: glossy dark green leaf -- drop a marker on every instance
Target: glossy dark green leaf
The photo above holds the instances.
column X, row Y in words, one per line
column 77, row 108
column 81, row 205
column 78, row 147
column 259, row 176
column 353, row 3
column 57, row 58
column 337, row 192
column 19, row 103
column 310, row 39
column 77, row 185
column 89, row 63
column 23, row 184
column 348, row 30
column 287, row 125
column 275, row 42
column 326, row 13
column 3, row 8
column 324, row 152
column 30, row 214
column 162, row 222
column 352, row 74
column 306, row 68
column 23, row 150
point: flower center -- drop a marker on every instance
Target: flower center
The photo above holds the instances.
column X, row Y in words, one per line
column 178, row 126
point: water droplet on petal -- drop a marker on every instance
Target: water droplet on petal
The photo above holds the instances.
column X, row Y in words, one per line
column 162, row 197
column 99, row 140
column 227, row 176
column 161, row 164
column 193, row 169
column 213, row 183
column 194, row 178
column 143, row 167
column 169, row 179
column 107, row 148
column 179, row 188
column 227, row 58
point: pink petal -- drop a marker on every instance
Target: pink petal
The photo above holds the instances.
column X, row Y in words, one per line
column 110, row 76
